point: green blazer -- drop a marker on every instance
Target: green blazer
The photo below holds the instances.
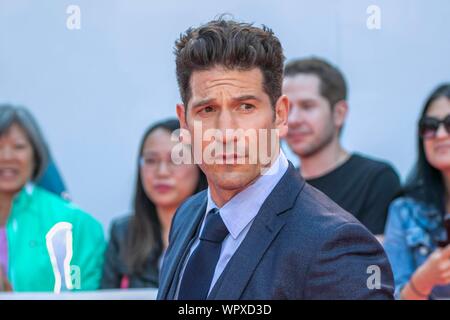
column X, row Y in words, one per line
column 34, row 212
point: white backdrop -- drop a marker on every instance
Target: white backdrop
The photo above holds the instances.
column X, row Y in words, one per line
column 94, row 90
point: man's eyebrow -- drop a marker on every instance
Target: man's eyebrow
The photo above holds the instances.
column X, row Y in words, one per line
column 239, row 98
column 308, row 100
column 247, row 97
column 202, row 102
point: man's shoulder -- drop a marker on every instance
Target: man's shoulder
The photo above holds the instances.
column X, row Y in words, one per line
column 313, row 202
column 318, row 216
column 317, row 224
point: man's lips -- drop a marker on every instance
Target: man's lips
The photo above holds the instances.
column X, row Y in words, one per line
column 233, row 157
column 298, row 136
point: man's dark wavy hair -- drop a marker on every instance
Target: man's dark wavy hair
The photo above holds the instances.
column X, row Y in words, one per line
column 233, row 45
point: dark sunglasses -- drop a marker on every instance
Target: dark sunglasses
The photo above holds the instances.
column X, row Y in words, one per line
column 428, row 126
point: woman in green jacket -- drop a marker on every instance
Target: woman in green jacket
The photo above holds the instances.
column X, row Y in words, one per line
column 46, row 243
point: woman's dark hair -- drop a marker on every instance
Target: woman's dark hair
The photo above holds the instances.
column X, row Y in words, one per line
column 10, row 115
column 425, row 182
column 144, row 234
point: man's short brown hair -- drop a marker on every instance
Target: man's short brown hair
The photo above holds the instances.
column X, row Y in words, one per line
column 332, row 82
column 233, row 45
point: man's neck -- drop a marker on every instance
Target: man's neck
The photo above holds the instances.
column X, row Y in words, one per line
column 221, row 196
column 324, row 161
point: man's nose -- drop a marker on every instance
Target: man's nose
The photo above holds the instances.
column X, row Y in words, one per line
column 226, row 125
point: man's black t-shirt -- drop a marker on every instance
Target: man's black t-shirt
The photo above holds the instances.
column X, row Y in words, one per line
column 362, row 186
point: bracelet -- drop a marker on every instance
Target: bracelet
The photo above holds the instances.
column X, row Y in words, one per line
column 413, row 287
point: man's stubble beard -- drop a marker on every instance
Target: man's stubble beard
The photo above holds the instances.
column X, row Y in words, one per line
column 317, row 148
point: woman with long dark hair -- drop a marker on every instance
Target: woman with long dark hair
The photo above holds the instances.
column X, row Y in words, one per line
column 138, row 241
column 415, row 235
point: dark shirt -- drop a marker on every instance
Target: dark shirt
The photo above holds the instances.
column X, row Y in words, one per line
column 362, row 186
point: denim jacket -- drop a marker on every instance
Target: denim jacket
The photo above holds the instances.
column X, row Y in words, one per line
column 412, row 233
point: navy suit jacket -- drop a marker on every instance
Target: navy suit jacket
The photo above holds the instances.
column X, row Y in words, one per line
column 301, row 245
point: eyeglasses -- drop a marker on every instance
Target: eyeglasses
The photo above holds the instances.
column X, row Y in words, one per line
column 428, row 126
column 153, row 163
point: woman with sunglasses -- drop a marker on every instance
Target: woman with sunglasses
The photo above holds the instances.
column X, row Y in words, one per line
column 416, row 240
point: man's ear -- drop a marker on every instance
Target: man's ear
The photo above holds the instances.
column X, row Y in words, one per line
column 340, row 113
column 185, row 136
column 281, row 115
column 181, row 114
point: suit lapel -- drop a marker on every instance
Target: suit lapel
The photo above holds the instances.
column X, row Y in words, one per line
column 180, row 245
column 266, row 226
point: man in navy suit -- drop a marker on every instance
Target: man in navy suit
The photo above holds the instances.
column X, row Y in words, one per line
column 259, row 231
